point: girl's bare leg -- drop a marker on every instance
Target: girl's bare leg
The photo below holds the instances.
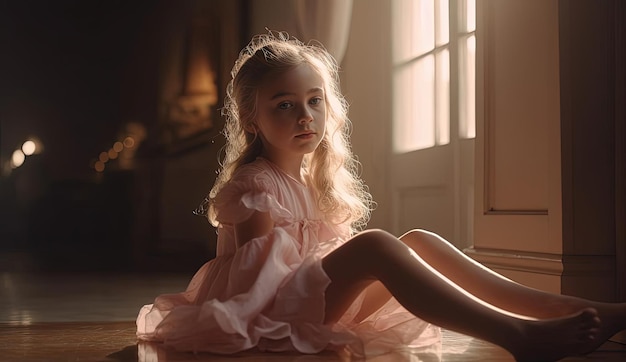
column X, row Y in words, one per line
column 503, row 293
column 495, row 289
column 377, row 255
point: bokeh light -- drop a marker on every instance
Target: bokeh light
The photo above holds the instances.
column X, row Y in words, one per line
column 104, row 157
column 123, row 150
column 99, row 166
column 112, row 154
column 17, row 159
column 29, row 147
column 129, row 142
column 118, row 147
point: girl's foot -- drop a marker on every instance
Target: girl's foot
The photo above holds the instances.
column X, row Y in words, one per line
column 613, row 317
column 553, row 339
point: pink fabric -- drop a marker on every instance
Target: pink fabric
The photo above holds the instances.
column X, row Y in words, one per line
column 269, row 293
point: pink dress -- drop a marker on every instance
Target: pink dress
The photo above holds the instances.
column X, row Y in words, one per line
column 269, row 293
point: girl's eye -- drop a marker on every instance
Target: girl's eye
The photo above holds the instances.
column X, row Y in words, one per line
column 284, row 105
column 316, row 100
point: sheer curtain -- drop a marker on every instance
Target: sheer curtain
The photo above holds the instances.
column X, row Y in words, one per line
column 327, row 21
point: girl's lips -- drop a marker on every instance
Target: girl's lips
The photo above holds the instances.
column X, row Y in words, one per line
column 306, row 135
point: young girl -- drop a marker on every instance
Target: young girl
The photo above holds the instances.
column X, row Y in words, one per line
column 293, row 273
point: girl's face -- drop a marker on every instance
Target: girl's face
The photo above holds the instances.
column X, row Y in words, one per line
column 291, row 114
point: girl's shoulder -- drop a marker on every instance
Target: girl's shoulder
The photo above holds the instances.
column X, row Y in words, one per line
column 259, row 168
column 257, row 175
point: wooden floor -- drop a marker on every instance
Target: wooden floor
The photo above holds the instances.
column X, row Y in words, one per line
column 90, row 317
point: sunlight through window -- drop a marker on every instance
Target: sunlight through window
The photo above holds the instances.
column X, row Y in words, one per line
column 422, row 63
column 467, row 86
column 467, row 69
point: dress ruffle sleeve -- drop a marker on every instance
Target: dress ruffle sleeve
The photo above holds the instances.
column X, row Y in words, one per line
column 238, row 200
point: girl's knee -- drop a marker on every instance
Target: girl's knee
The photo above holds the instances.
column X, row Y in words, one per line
column 418, row 237
column 373, row 240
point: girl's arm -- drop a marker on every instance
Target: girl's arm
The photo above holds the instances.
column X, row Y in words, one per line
column 257, row 225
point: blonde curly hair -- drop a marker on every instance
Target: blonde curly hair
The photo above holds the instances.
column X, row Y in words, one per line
column 332, row 167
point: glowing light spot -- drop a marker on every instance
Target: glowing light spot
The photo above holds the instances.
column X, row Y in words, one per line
column 118, row 147
column 104, row 157
column 29, row 147
column 17, row 159
column 99, row 166
column 32, row 146
column 129, row 142
column 112, row 154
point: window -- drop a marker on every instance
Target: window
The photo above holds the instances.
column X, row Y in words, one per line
column 467, row 68
column 424, row 59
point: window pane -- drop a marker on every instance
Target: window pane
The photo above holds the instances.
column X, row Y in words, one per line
column 468, row 16
column 423, row 26
column 413, row 28
column 471, row 15
column 467, row 84
column 442, row 32
column 442, row 96
column 402, row 30
column 414, row 106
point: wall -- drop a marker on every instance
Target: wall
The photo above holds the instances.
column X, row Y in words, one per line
column 367, row 85
column 546, row 174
